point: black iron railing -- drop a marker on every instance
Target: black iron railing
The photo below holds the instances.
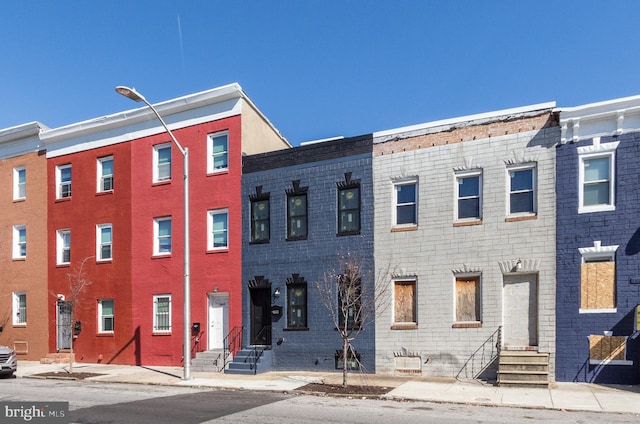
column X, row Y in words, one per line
column 483, row 358
column 232, row 344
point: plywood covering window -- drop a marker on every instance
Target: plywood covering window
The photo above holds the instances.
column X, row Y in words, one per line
column 468, row 299
column 597, row 283
column 404, row 307
column 608, row 350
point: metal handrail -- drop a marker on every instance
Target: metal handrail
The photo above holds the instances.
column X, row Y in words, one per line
column 232, row 343
column 486, row 354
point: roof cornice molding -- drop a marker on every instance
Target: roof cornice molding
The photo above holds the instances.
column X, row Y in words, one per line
column 21, row 139
column 611, row 117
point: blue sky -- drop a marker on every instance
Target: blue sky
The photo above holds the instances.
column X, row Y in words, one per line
column 316, row 68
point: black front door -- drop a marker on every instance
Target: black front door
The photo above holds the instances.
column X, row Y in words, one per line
column 260, row 316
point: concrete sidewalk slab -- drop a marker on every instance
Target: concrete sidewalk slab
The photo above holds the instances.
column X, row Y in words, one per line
column 526, row 397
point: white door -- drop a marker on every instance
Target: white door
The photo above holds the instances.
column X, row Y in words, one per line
column 520, row 323
column 218, row 321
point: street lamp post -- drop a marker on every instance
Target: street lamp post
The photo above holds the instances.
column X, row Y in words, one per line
column 132, row 94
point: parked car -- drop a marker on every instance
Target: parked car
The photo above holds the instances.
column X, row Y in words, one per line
column 8, row 361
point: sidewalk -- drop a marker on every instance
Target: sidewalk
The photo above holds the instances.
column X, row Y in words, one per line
column 563, row 396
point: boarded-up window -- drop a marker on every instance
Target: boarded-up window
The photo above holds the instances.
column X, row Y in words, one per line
column 598, row 288
column 607, row 348
column 468, row 299
column 404, row 301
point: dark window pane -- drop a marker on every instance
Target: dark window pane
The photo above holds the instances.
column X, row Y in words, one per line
column 468, row 208
column 522, row 180
column 406, row 193
column 469, row 186
column 522, row 202
column 406, row 214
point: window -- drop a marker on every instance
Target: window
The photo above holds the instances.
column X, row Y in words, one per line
column 218, row 229
column 162, row 236
column 20, row 308
column 260, row 220
column 469, row 195
column 522, row 196
column 404, row 305
column 296, row 302
column 162, row 162
column 218, row 149
column 468, row 299
column 349, row 210
column 105, row 316
column 597, row 177
column 162, row 313
column 598, row 279
column 406, row 203
column 349, row 301
column 19, row 242
column 608, row 350
column 103, row 245
column 63, row 247
column 19, row 183
column 105, row 174
column 63, row 181
column 297, row 216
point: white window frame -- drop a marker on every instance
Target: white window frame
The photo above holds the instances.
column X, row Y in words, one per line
column 102, row 177
column 456, row 277
column 597, row 253
column 17, row 319
column 210, row 151
column 61, row 248
column 100, row 244
column 60, row 184
column 19, row 189
column 101, row 316
column 597, row 151
column 17, row 244
column 211, row 232
column 404, row 281
column 156, row 298
column 395, row 205
column 156, row 236
column 156, row 162
column 534, row 188
column 462, row 175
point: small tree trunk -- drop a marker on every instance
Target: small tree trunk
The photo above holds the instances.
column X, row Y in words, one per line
column 345, row 364
column 71, row 349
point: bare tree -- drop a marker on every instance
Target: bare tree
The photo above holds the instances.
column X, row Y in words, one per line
column 78, row 282
column 354, row 295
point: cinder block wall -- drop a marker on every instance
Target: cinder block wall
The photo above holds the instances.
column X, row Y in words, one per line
column 437, row 249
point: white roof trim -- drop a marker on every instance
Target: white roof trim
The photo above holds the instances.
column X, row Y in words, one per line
column 21, row 139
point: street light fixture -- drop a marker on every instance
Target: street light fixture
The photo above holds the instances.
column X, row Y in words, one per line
column 132, row 94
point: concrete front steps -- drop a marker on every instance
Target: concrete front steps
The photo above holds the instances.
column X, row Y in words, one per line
column 244, row 361
column 523, row 369
column 61, row 357
column 208, row 361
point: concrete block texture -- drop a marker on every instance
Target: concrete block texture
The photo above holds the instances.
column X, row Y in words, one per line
column 497, row 247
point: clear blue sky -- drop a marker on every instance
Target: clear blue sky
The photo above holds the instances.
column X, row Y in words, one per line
column 316, row 68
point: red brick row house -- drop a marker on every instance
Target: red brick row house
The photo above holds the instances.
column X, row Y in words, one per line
column 115, row 227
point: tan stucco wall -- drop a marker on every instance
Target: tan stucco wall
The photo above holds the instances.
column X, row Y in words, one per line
column 258, row 135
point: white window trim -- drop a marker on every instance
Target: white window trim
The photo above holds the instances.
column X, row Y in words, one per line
column 99, row 244
column 210, row 215
column 59, row 169
column 155, row 313
column 596, row 151
column 15, row 310
column 394, row 203
column 156, row 162
column 467, row 275
column 467, row 174
column 60, row 246
column 100, row 177
column 16, row 241
column 101, row 316
column 393, row 300
column 16, row 183
column 597, row 251
column 156, row 234
column 211, row 137
column 522, row 167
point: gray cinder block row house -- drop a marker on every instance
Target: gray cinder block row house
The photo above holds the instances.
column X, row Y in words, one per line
column 506, row 243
